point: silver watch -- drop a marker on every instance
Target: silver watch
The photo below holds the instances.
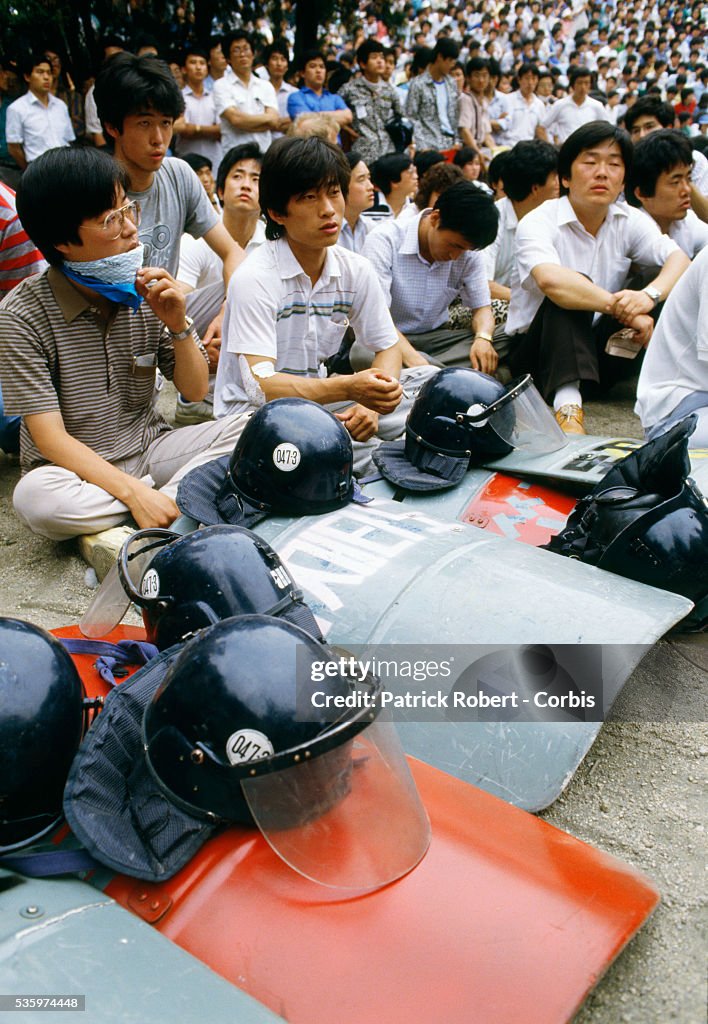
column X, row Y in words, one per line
column 653, row 293
column 181, row 335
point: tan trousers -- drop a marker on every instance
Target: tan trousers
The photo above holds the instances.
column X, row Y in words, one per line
column 58, row 504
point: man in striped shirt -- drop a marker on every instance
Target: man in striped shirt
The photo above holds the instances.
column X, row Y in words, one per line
column 80, row 347
column 18, row 259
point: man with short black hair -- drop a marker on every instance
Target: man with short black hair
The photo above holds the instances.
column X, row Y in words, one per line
column 247, row 104
column 573, row 111
column 198, row 130
column 37, row 121
column 526, row 110
column 201, row 270
column 429, row 260
column 573, row 259
column 374, row 103
column 475, row 122
column 80, row 347
column 276, row 61
column 660, row 184
column 237, row 188
column 138, row 102
column 313, row 97
column 433, row 103
column 292, row 301
column 530, row 178
column 649, row 114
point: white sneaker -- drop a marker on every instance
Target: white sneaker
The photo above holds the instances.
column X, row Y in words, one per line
column 100, row 550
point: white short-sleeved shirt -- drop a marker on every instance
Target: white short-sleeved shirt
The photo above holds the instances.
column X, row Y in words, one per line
column 676, row 361
column 419, row 292
column 500, row 256
column 247, row 99
column 690, row 233
column 565, row 116
column 274, row 310
column 38, row 128
column 524, row 118
column 553, row 234
column 200, row 266
column 699, row 174
column 200, row 110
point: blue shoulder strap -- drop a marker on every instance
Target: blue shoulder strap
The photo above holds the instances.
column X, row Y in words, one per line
column 49, row 863
column 112, row 656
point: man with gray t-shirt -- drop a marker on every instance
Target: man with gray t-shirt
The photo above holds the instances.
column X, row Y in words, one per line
column 138, row 101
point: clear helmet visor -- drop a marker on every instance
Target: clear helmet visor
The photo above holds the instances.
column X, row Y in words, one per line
column 127, row 582
column 350, row 818
column 521, row 418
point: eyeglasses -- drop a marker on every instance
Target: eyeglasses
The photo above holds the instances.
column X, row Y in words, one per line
column 240, row 51
column 114, row 221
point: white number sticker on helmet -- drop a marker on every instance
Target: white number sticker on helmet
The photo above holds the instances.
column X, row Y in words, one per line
column 247, row 745
column 286, row 457
column 150, row 587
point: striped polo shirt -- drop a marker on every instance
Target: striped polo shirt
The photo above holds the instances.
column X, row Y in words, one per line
column 18, row 256
column 273, row 310
column 57, row 354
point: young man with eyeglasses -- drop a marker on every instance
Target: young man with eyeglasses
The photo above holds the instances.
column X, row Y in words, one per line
column 247, row 104
column 80, row 347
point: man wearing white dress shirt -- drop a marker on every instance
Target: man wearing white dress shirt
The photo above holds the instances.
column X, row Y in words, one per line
column 198, row 130
column 660, row 183
column 526, row 110
column 530, row 178
column 649, row 114
column 573, row 259
column 574, row 111
column 427, row 261
column 37, row 121
column 200, row 268
column 246, row 104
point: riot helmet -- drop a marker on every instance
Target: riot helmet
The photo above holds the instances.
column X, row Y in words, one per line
column 186, row 583
column 255, row 722
column 41, row 725
column 663, row 543
column 647, row 520
column 293, row 458
column 461, row 418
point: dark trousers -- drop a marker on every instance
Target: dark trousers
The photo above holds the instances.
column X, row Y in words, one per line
column 564, row 345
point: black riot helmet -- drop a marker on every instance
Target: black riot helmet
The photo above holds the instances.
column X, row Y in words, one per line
column 647, row 520
column 41, row 725
column 293, row 458
column 186, row 583
column 659, row 541
column 461, row 418
column 434, row 423
column 251, row 725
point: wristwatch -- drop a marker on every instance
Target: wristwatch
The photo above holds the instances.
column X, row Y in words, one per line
column 653, row 293
column 483, row 336
column 181, row 335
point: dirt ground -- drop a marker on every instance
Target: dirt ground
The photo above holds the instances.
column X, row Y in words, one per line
column 640, row 793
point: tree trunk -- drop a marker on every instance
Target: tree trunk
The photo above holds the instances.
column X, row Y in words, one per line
column 307, row 17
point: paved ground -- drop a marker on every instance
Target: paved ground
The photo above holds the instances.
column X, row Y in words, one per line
column 639, row 794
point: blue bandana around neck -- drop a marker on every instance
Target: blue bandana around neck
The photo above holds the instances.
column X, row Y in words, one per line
column 113, row 276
